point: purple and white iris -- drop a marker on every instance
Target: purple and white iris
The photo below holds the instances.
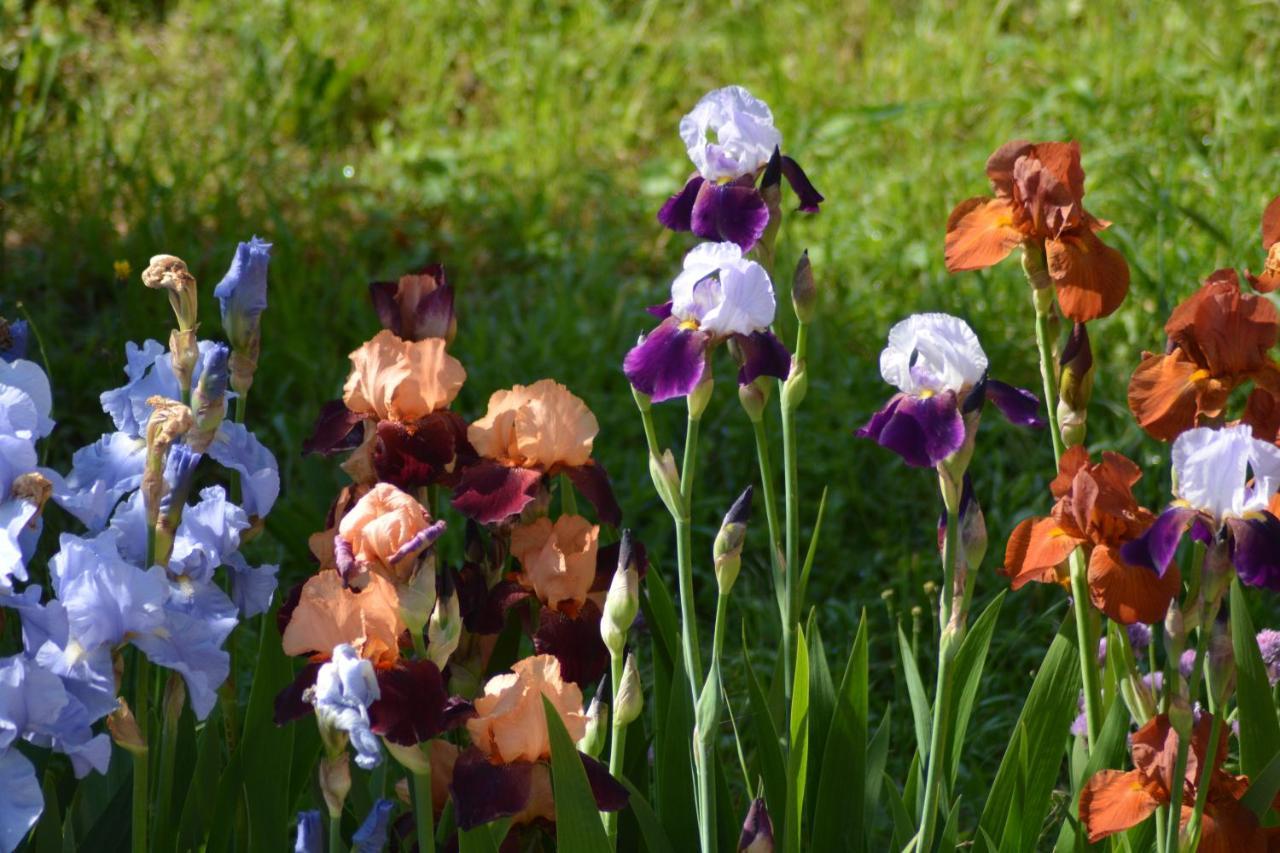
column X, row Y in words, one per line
column 1224, row 480
column 719, row 296
column 731, row 138
column 940, row 371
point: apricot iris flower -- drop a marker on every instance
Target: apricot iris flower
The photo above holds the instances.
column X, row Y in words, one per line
column 1039, row 191
column 1218, row 340
column 1113, row 800
column 1095, row 510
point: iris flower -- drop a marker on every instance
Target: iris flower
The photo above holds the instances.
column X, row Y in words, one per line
column 1269, row 280
column 417, row 306
column 1219, row 339
column 1224, row 480
column 1113, row 800
column 730, row 138
column 1039, row 202
column 345, row 688
column 1095, row 510
column 719, row 296
column 940, row 371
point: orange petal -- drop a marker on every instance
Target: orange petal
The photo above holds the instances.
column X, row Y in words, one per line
column 1000, row 165
column 1092, row 278
column 1227, row 827
column 1262, row 413
column 1128, row 593
column 980, row 233
column 1113, row 801
column 1162, row 395
column 1223, row 329
column 1036, row 548
column 1271, row 224
column 1073, row 460
column 327, row 615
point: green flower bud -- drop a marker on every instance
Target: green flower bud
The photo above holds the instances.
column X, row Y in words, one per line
column 700, row 396
column 623, row 599
column 796, row 385
column 804, row 294
column 444, row 630
column 629, row 699
column 1075, row 388
column 727, row 550
column 413, row 758
column 754, row 397
column 418, row 595
column 593, row 740
column 667, row 482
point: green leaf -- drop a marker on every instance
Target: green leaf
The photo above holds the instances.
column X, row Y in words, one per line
column 844, row 776
column 822, row 701
column 1108, row 752
column 673, row 764
column 966, row 677
column 798, row 765
column 1262, row 791
column 812, row 550
column 197, row 812
column 47, row 837
column 655, row 837
column 877, row 755
column 951, row 829
column 919, row 699
column 267, row 749
column 1020, row 795
column 768, row 748
column 578, row 825
column 485, row 838
column 1259, row 730
column 904, row 828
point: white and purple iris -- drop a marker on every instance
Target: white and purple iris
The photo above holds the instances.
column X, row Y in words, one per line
column 940, row 371
column 719, row 296
column 731, row 139
column 1224, row 479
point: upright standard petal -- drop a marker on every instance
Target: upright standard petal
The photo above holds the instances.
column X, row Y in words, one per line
column 746, row 304
column 932, row 352
column 729, row 133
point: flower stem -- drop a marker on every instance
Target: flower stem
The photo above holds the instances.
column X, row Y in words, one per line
column 684, row 560
column 775, row 543
column 617, row 747
column 1202, row 788
column 568, row 500
column 1087, row 646
column 791, row 488
column 335, row 833
column 947, row 645
column 1208, row 614
column 423, row 816
column 141, row 758
column 708, row 723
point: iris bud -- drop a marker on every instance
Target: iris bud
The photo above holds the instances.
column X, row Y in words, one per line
column 757, row 829
column 796, row 385
column 413, row 758
column 629, row 699
column 804, row 294
column 209, row 397
column 124, row 730
column 622, row 601
column 1075, row 386
column 170, row 273
column 700, row 396
column 754, row 396
column 445, row 628
column 1221, row 671
column 335, row 781
column 169, row 421
column 418, row 595
column 592, row 742
column 667, row 482
column 727, row 551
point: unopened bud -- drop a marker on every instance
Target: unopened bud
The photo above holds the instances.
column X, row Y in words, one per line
column 124, row 729
column 1036, row 269
column 629, row 698
column 412, row 757
column 335, row 782
column 727, row 550
column 757, row 830
column 1075, row 386
column 700, row 396
column 796, row 385
column 418, row 594
column 175, row 696
column 209, row 397
column 445, row 628
column 593, row 740
column 643, row 401
column 623, row 599
column 754, row 397
column 1221, row 671
column 1175, row 632
column 168, row 422
column 667, row 482
column 804, row 293
column 1181, row 717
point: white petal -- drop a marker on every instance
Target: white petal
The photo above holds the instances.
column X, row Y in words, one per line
column 729, row 133
column 942, row 349
column 748, row 303
column 701, row 261
column 1210, row 467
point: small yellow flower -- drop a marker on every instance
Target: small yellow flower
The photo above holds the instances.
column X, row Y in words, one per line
column 122, row 270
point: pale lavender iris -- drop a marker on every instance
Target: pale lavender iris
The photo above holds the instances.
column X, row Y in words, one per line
column 719, row 296
column 345, row 688
column 236, row 448
column 197, row 619
column 1224, row 481
column 940, row 370
column 730, row 138
column 242, row 293
column 22, row 803
column 310, row 837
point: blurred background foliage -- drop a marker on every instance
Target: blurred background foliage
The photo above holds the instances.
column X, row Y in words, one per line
column 528, row 145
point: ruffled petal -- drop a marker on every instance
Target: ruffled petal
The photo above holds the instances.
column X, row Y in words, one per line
column 421, row 453
column 1162, row 395
column 980, row 234
column 483, row 792
column 668, row 363
column 1155, row 548
column 1129, row 594
column 1113, row 801
column 677, row 211
column 1036, row 548
column 922, row 430
column 237, row 448
column 413, row 705
column 335, row 429
column 1092, row 278
column 575, row 642
column 733, row 212
column 489, row 492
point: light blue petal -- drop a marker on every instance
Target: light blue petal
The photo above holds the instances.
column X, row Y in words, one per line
column 22, row 803
column 310, row 835
column 237, row 448
column 101, row 474
column 371, row 837
column 251, row 588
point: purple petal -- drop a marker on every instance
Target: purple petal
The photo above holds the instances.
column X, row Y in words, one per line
column 668, row 363
column 420, row 454
column 414, row 315
column 1018, row 406
column 757, row 829
column 593, row 481
column 574, row 642
column 730, row 212
column 1255, row 550
column 1155, row 548
column 490, row 492
column 413, row 705
column 922, row 430
column 483, row 791
column 610, row 794
column 762, row 355
column 607, row 557
column 662, row 311
column 809, row 196
column 677, row 211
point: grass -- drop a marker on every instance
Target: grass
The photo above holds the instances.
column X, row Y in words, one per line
column 528, row 145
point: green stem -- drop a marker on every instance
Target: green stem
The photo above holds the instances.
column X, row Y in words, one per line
column 242, row 403
column 775, row 542
column 419, row 645
column 1184, row 743
column 684, row 561
column 650, row 431
column 617, row 748
column 335, row 833
column 1202, row 788
column 423, row 815
column 141, row 759
column 947, row 645
column 705, row 733
column 791, row 489
column 1087, row 646
column 164, row 790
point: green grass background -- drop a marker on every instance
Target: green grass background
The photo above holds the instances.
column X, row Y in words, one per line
column 528, row 146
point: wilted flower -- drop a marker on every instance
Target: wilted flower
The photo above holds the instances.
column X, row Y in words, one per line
column 1219, row 339
column 719, row 296
column 1113, row 800
column 418, row 306
column 526, row 434
column 1039, row 192
column 940, row 370
column 1270, row 278
column 730, row 138
column 1224, row 480
column 345, row 688
column 1095, row 510
column 384, row 532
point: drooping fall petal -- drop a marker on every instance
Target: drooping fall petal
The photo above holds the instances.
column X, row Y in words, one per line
column 1113, row 801
column 980, row 234
column 1127, row 593
column 1162, row 395
column 1036, row 548
column 1091, row 277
